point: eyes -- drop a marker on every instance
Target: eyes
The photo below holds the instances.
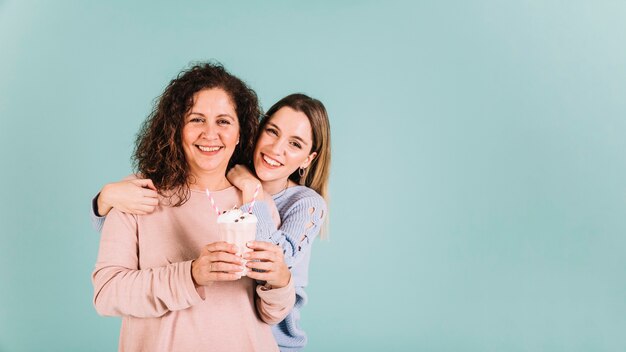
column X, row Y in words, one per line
column 274, row 133
column 220, row 121
column 295, row 144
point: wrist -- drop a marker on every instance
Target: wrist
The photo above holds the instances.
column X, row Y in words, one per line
column 247, row 191
column 103, row 206
column 281, row 284
column 193, row 278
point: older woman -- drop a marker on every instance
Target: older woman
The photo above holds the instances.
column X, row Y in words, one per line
column 177, row 287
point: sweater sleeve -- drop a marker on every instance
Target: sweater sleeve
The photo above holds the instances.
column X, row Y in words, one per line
column 301, row 223
column 268, row 219
column 122, row 289
column 96, row 221
column 274, row 304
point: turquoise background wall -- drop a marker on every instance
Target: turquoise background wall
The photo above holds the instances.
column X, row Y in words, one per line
column 479, row 165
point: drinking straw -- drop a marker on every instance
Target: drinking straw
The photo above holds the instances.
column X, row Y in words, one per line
column 256, row 193
column 208, row 194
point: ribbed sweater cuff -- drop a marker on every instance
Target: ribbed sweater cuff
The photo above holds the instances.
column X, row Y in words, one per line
column 96, row 221
column 283, row 294
column 193, row 294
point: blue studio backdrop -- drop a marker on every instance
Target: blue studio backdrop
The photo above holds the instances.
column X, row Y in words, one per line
column 479, row 161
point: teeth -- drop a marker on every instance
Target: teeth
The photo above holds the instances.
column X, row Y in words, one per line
column 271, row 161
column 208, row 149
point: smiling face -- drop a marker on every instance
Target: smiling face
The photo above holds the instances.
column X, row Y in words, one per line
column 210, row 133
column 283, row 146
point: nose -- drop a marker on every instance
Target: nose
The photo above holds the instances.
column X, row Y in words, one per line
column 278, row 146
column 209, row 130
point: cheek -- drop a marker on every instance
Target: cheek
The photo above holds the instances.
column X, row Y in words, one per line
column 236, row 137
column 236, row 131
column 260, row 143
column 186, row 136
column 298, row 157
column 190, row 133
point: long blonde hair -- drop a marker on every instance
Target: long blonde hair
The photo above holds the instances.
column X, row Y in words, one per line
column 317, row 174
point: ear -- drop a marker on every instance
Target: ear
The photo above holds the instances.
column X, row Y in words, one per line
column 308, row 160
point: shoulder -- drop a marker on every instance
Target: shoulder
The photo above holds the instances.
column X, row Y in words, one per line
column 300, row 197
column 116, row 213
column 298, row 193
column 116, row 220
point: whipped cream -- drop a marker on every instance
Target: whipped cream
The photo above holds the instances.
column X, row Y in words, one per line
column 236, row 216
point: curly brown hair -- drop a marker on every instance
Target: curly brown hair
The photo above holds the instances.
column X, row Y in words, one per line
column 159, row 153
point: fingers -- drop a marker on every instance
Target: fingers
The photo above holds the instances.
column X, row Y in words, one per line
column 143, row 206
column 220, row 262
column 153, row 202
column 148, row 202
column 277, row 275
column 224, row 277
column 264, row 251
column 263, row 246
column 259, row 276
column 262, row 255
column 149, row 193
column 145, row 183
column 150, row 184
column 220, row 246
column 268, row 261
column 265, row 266
column 226, row 267
column 225, row 258
column 217, row 262
column 205, row 271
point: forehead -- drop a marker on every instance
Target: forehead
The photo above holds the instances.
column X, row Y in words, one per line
column 292, row 123
column 213, row 100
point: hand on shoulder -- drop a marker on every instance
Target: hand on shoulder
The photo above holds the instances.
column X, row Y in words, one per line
column 132, row 195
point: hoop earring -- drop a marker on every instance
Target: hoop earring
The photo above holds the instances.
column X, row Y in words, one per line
column 301, row 171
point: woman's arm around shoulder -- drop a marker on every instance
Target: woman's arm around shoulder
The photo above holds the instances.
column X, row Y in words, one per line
column 131, row 195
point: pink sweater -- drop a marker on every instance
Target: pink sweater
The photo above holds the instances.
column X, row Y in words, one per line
column 143, row 274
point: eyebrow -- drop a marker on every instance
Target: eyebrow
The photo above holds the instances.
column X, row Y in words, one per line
column 294, row 137
column 201, row 114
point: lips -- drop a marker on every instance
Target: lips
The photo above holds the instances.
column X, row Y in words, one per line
column 208, row 149
column 271, row 162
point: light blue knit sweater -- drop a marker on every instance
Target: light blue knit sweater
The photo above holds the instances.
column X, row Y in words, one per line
column 302, row 213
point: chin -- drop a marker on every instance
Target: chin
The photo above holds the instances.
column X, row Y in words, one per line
column 263, row 175
column 266, row 175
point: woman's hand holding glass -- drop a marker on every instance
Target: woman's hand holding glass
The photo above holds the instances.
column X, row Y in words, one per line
column 268, row 258
column 218, row 261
